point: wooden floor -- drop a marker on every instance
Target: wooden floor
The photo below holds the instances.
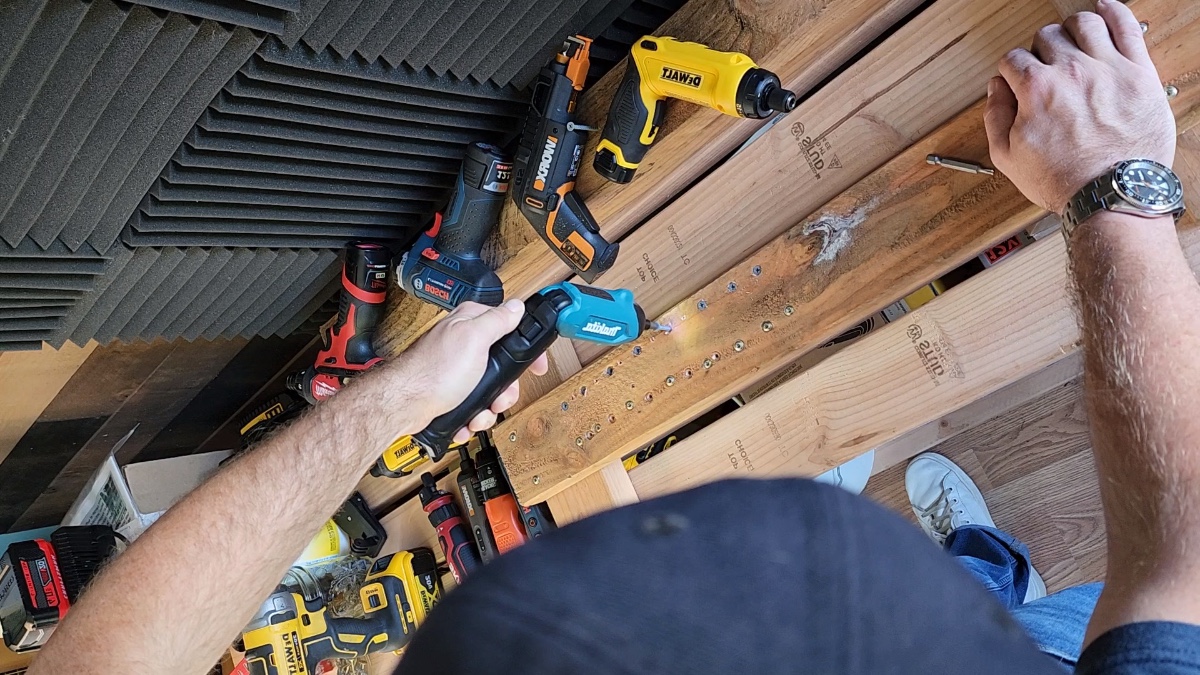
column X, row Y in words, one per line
column 1034, row 467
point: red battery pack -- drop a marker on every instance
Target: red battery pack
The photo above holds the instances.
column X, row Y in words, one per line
column 33, row 598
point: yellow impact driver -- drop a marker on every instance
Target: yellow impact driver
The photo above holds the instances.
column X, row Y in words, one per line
column 663, row 67
column 290, row 635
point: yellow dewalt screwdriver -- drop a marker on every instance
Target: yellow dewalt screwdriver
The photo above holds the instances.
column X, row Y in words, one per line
column 663, row 67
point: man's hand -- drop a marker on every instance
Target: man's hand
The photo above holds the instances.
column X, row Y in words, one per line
column 449, row 360
column 1084, row 98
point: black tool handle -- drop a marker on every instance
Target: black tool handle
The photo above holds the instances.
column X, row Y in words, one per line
column 507, row 359
column 475, row 205
column 629, row 117
column 574, row 220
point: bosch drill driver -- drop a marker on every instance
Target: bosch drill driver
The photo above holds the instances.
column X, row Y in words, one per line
column 608, row 317
column 291, row 634
column 444, row 266
column 548, row 161
column 348, row 350
column 662, row 67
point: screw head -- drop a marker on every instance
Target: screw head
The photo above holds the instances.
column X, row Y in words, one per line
column 716, row 356
column 637, row 351
column 767, row 326
column 589, row 435
column 739, row 346
column 708, row 363
column 537, row 479
column 702, row 305
column 731, row 287
column 789, row 310
column 756, row 270
column 512, row 437
column 608, row 371
column 579, row 440
column 629, row 405
column 1171, row 90
column 670, row 380
column 564, row 405
column 596, row 427
column 1145, row 26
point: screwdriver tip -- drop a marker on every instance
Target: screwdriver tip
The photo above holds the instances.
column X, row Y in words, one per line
column 662, row 328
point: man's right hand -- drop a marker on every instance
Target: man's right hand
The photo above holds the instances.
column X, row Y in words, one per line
column 1084, row 98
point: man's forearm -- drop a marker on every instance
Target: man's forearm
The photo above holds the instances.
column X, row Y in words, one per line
column 1138, row 301
column 229, row 543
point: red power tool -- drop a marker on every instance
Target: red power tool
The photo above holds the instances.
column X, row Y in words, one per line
column 348, row 350
column 453, row 534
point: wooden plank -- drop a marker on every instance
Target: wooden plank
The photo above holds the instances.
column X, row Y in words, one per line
column 801, row 42
column 920, row 77
column 37, row 377
column 837, row 410
column 151, row 406
column 1000, row 402
column 918, row 224
column 921, row 220
column 607, row 489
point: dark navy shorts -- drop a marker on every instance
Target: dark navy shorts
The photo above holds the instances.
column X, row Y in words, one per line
column 754, row 577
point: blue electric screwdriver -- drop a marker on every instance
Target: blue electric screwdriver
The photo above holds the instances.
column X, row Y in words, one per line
column 609, row 317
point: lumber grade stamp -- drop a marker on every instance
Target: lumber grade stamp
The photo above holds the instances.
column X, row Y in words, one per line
column 803, row 41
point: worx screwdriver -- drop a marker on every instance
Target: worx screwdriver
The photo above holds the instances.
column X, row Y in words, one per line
column 444, row 266
column 663, row 67
column 547, row 163
column 609, row 317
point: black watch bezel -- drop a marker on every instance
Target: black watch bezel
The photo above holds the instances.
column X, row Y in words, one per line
column 1121, row 177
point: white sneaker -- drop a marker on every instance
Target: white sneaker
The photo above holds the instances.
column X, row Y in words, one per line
column 944, row 498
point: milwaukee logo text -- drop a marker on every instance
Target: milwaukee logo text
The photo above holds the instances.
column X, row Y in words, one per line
column 601, row 329
column 543, row 170
column 682, row 77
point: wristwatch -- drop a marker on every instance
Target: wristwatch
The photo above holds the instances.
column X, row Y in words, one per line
column 1139, row 187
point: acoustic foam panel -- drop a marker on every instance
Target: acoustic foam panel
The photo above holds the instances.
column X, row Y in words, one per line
column 344, row 122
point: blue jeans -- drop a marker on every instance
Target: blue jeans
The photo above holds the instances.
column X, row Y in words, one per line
column 1001, row 563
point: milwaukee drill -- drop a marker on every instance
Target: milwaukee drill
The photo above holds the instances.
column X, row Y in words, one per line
column 662, row 67
column 547, row 163
column 444, row 266
column 453, row 534
column 348, row 350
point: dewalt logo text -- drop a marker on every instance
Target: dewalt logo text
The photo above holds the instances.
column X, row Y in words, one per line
column 681, row 76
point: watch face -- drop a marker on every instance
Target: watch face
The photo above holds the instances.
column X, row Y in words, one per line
column 1149, row 184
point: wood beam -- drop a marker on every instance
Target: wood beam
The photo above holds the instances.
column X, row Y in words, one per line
column 802, row 42
column 905, row 225
column 976, row 346
column 891, row 232
column 38, row 376
column 924, row 74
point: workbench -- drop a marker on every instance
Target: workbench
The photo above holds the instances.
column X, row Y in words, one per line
column 757, row 255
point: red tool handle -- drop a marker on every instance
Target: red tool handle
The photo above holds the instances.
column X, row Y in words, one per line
column 360, row 307
column 458, row 546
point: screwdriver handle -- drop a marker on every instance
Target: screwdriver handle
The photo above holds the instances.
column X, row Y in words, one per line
column 507, row 359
